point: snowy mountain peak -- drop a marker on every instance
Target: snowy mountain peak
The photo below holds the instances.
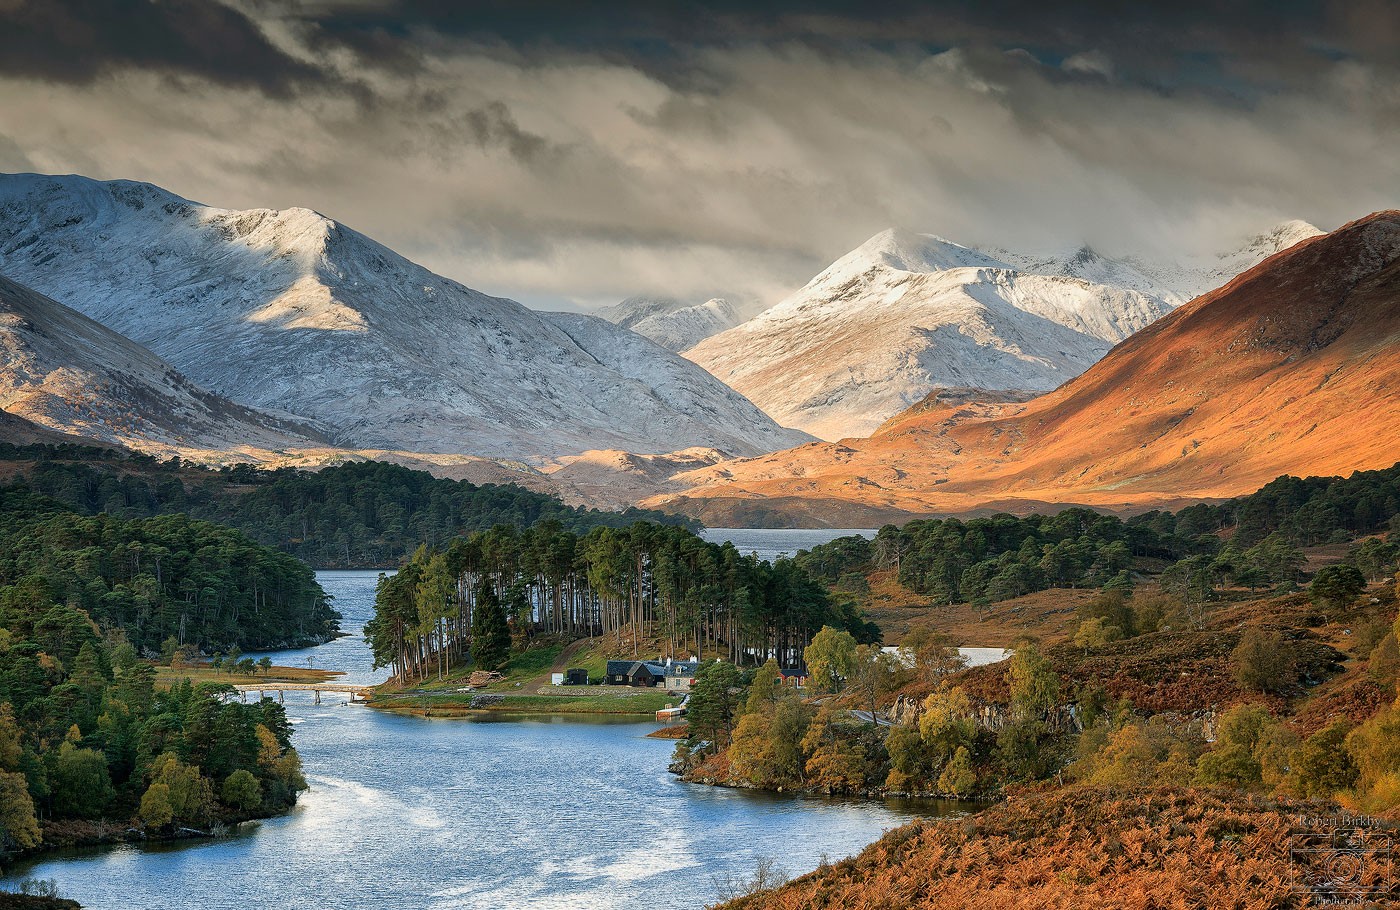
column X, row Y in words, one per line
column 674, row 324
column 905, row 251
column 64, row 371
column 1281, row 237
column 907, row 313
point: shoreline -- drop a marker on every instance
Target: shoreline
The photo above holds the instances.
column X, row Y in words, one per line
column 100, row 834
column 468, row 704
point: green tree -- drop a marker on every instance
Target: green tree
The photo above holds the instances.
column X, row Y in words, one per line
column 241, row 790
column 19, row 826
column 713, row 701
column 265, row 664
column 190, row 793
column 82, row 786
column 765, row 689
column 958, row 777
column 1247, row 737
column 1334, row 588
column 156, row 810
column 947, row 723
column 490, row 632
column 830, row 658
column 1035, row 688
column 875, row 674
column 1264, row 661
column 1323, row 765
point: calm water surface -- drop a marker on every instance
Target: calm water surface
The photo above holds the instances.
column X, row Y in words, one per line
column 769, row 543
column 413, row 813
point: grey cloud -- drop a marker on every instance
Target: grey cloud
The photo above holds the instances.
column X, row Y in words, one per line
column 493, row 125
column 567, row 160
column 12, row 157
column 78, row 41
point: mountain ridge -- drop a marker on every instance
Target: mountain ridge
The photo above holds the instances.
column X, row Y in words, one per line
column 69, row 374
column 292, row 310
column 1289, row 368
column 907, row 313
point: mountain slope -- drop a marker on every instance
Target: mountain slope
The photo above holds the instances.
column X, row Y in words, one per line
column 673, row 324
column 291, row 310
column 1293, row 367
column 65, row 372
column 905, row 314
column 658, row 386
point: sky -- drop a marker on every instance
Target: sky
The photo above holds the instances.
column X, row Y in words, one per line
column 570, row 154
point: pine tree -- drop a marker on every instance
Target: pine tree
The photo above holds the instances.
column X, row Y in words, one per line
column 490, row 633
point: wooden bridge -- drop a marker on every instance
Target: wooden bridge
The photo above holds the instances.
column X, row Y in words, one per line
column 362, row 692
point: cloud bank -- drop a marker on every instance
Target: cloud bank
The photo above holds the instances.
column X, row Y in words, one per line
column 567, row 157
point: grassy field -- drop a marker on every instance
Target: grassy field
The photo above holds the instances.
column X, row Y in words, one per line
column 202, row 673
column 621, row 701
column 526, row 688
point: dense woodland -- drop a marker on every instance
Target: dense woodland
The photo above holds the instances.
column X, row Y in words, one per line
column 85, row 736
column 645, row 582
column 1249, row 542
column 1039, row 721
column 1187, row 682
column 168, row 577
column 354, row 515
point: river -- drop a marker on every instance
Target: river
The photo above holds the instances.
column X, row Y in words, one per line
column 411, row 813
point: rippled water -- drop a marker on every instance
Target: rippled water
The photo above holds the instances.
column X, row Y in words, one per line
column 534, row 813
column 770, row 543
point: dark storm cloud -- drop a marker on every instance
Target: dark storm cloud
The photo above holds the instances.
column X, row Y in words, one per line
column 589, row 151
column 76, row 41
column 1239, row 46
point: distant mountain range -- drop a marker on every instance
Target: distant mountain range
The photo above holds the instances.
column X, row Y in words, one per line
column 905, row 314
column 674, row 324
column 1292, row 367
column 289, row 311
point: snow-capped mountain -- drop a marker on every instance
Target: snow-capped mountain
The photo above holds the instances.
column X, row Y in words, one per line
column 1192, row 278
column 906, row 313
column 292, row 311
column 674, row 324
column 63, row 371
column 1173, row 282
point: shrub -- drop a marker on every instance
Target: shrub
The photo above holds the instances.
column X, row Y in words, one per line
column 1264, row 661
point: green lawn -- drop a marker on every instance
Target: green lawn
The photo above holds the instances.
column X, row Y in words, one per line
column 624, row 701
